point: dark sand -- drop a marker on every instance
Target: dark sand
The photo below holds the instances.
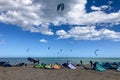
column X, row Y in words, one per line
column 30, row 73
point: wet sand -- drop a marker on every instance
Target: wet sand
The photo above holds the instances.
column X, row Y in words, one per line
column 30, row 73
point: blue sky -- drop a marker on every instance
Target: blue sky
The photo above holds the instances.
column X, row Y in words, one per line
column 35, row 28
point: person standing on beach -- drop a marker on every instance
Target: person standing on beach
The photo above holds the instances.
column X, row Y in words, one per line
column 91, row 63
column 81, row 62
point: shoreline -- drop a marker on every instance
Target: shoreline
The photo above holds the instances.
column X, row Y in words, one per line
column 50, row 60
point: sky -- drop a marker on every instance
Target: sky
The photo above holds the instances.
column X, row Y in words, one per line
column 35, row 28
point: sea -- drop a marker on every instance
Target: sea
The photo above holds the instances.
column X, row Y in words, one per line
column 61, row 60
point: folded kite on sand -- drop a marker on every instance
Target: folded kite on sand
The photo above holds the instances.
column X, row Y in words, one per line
column 71, row 66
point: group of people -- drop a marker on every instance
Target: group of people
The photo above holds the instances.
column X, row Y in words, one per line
column 91, row 63
column 36, row 61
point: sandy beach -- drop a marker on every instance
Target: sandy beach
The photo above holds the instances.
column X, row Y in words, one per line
column 30, row 73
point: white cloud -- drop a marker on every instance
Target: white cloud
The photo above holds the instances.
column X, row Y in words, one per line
column 95, row 8
column 89, row 33
column 24, row 13
column 38, row 15
column 62, row 34
column 100, row 8
column 44, row 29
column 103, row 7
column 43, row 40
column 77, row 15
column 29, row 13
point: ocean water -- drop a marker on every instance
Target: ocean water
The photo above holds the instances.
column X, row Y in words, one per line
column 52, row 60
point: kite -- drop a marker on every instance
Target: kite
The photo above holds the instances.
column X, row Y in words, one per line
column 49, row 48
column 28, row 50
column 60, row 7
column 95, row 52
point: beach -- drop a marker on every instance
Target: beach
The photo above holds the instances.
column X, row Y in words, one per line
column 30, row 73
